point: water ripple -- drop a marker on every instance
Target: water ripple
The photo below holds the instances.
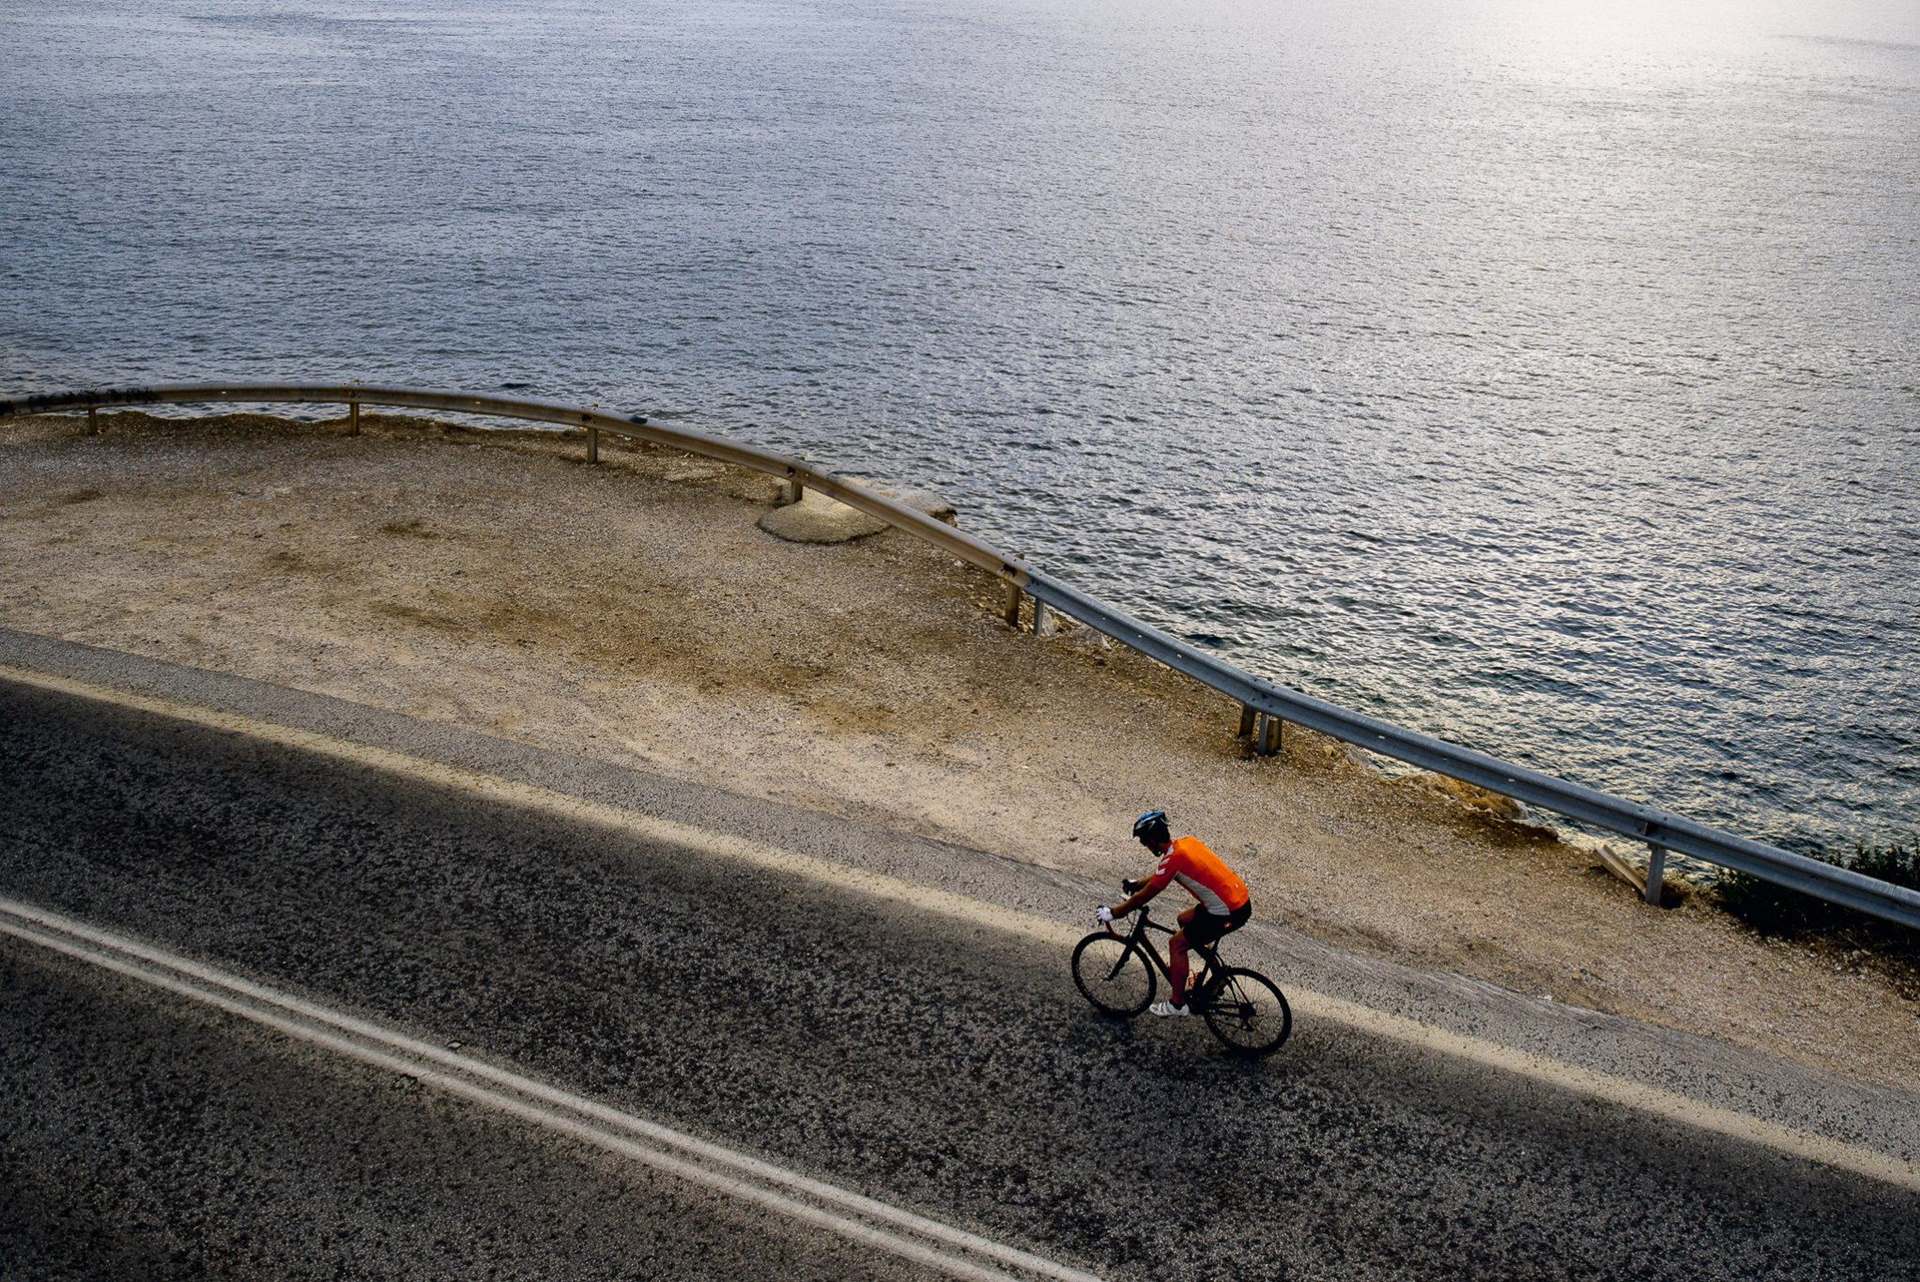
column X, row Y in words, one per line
column 1545, row 385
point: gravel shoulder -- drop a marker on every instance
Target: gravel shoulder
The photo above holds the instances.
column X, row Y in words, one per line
column 634, row 612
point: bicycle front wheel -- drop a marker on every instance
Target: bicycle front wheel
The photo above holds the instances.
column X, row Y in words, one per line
column 1249, row 1014
column 1111, row 973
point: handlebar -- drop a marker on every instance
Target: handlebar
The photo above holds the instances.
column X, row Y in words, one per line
column 1142, row 912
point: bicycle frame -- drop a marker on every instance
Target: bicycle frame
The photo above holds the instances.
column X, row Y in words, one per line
column 1142, row 923
column 1243, row 1008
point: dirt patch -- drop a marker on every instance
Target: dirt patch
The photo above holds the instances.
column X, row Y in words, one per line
column 632, row 611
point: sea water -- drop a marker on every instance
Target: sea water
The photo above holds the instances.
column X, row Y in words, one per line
column 1540, row 374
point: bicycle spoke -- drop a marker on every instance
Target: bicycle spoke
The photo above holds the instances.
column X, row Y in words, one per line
column 1249, row 1014
column 1122, row 986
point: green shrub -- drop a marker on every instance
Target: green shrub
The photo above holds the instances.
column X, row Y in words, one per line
column 1889, row 863
column 1775, row 910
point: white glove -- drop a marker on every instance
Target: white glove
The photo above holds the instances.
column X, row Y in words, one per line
column 1103, row 915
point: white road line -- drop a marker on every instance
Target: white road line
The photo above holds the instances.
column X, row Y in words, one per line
column 1638, row 1096
column 862, row 1219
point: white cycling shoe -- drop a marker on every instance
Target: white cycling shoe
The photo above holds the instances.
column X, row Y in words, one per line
column 1164, row 1009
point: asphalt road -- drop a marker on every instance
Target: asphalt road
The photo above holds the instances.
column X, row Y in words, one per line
column 930, row 1061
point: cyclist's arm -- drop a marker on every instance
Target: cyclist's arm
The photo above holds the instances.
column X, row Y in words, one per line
column 1162, row 877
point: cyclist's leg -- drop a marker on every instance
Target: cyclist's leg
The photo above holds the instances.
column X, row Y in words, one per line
column 1177, row 957
column 1203, row 931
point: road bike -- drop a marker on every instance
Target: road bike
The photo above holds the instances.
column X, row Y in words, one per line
column 1244, row 1009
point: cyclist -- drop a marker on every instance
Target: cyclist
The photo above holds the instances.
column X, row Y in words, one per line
column 1224, row 904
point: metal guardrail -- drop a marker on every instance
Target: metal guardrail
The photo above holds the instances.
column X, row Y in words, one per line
column 593, row 423
column 1264, row 705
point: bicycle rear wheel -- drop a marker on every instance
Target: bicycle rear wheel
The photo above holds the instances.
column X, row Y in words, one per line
column 1111, row 973
column 1249, row 1013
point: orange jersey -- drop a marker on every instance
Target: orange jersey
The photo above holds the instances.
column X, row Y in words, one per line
column 1189, row 862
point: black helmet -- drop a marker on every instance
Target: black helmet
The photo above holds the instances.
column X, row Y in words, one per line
column 1151, row 829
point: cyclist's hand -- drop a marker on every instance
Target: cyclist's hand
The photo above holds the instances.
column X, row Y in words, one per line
column 1103, row 916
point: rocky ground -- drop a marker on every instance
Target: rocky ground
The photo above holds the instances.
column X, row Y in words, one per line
column 635, row 611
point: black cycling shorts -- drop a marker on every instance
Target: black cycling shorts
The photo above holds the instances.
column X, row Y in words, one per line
column 1205, row 928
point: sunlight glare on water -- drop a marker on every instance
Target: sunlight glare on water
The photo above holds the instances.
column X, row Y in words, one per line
column 1538, row 375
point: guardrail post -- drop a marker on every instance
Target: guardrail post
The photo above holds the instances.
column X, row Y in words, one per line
column 1246, row 722
column 1012, row 613
column 93, row 421
column 795, row 491
column 1270, row 736
column 593, row 445
column 1039, row 617
column 353, row 418
column 1656, row 872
